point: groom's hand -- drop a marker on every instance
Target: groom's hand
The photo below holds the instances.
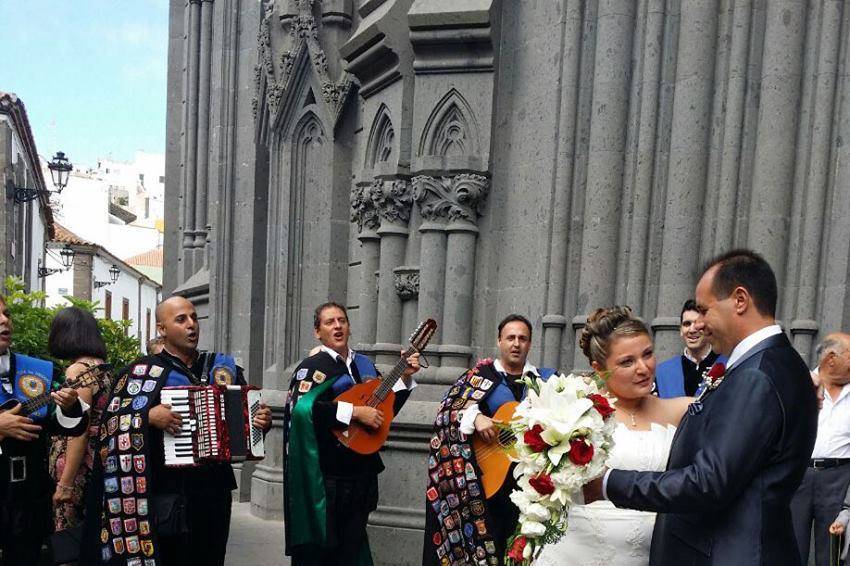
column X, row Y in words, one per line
column 593, row 490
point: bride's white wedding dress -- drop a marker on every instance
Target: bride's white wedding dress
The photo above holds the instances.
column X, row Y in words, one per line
column 600, row 534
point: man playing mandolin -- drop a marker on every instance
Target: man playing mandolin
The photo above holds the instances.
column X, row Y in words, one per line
column 469, row 515
column 330, row 489
column 25, row 484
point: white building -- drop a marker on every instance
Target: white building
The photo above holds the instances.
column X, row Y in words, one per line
column 131, row 295
column 24, row 226
column 115, row 202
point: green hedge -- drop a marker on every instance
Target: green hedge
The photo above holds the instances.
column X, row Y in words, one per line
column 31, row 325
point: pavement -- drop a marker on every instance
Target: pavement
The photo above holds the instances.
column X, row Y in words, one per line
column 254, row 541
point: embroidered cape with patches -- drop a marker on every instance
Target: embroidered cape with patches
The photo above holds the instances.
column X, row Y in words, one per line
column 316, row 382
column 457, row 529
column 123, row 529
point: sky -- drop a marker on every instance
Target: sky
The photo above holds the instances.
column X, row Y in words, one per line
column 92, row 74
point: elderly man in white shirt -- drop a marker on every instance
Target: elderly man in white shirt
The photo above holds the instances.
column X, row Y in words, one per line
column 819, row 498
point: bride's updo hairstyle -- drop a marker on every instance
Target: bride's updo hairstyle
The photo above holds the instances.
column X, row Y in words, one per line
column 603, row 327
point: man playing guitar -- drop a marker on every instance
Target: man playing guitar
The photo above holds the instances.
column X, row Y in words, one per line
column 25, row 485
column 458, row 492
column 329, row 490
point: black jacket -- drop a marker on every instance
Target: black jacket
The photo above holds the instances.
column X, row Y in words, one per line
column 734, row 467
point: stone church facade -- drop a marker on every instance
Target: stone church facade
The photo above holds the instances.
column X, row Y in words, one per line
column 464, row 159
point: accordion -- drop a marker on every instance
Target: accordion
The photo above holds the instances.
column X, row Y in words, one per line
column 217, row 425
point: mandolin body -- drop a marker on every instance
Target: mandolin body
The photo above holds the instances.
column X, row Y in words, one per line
column 494, row 461
column 357, row 437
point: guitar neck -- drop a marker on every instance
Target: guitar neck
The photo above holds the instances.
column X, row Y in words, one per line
column 43, row 400
column 389, row 380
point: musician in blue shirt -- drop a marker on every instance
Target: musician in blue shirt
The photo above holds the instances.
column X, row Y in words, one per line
column 25, row 485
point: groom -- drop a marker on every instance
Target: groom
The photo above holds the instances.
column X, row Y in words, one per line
column 742, row 449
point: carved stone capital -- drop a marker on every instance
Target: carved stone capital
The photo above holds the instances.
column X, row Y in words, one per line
column 458, row 197
column 363, row 209
column 392, row 199
column 406, row 280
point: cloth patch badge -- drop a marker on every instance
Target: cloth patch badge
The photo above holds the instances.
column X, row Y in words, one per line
column 305, row 386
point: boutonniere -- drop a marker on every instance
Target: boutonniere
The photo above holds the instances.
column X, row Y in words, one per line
column 712, row 378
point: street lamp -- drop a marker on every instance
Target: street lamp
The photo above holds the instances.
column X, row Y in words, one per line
column 66, row 256
column 114, row 272
column 60, row 169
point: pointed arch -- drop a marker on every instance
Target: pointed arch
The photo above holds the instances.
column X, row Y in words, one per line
column 381, row 145
column 451, row 129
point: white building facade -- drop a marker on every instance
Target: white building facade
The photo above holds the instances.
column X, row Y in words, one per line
column 130, row 296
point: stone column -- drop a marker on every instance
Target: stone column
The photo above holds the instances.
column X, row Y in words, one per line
column 363, row 213
column 406, row 282
column 392, row 200
column 457, row 199
column 687, row 168
column 203, row 106
column 191, row 163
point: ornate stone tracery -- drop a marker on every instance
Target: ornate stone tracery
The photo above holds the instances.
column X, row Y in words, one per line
column 304, row 36
column 363, row 212
column 458, row 197
column 392, row 200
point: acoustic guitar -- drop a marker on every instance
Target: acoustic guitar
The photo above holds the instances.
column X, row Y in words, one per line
column 378, row 393
column 494, row 459
column 90, row 377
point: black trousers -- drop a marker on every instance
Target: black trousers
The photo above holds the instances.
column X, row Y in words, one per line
column 205, row 544
column 22, row 532
column 502, row 515
column 816, row 504
column 349, row 500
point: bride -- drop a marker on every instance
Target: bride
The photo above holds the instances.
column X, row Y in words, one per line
column 619, row 347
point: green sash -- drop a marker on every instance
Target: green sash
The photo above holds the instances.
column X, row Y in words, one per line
column 306, row 483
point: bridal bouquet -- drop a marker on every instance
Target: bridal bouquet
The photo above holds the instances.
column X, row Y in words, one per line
column 563, row 431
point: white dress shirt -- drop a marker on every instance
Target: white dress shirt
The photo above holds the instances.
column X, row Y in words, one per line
column 738, row 352
column 833, row 440
column 345, row 410
column 467, row 418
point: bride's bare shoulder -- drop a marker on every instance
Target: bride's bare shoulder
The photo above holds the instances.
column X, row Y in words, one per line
column 678, row 407
column 671, row 411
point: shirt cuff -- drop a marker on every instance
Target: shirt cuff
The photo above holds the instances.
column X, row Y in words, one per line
column 70, row 422
column 467, row 419
column 605, row 485
column 344, row 411
column 400, row 385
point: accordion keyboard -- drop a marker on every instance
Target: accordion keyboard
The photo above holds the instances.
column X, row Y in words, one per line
column 178, row 449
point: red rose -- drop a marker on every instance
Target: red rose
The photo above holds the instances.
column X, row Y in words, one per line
column 515, row 553
column 717, row 370
column 542, row 484
column 580, row 452
column 533, row 439
column 600, row 403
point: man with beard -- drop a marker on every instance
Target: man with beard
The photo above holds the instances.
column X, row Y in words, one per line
column 460, row 524
column 680, row 376
column 329, row 490
column 176, row 515
column 25, row 485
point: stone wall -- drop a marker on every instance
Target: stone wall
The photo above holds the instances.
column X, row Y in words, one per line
column 463, row 159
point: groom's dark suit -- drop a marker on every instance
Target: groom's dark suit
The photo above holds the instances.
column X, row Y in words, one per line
column 733, row 467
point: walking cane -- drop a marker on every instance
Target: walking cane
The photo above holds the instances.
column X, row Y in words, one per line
column 836, row 544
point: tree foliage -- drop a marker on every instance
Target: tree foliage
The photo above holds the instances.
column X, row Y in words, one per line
column 31, row 326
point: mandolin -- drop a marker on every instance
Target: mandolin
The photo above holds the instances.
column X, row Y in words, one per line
column 378, row 393
column 494, row 459
column 92, row 376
